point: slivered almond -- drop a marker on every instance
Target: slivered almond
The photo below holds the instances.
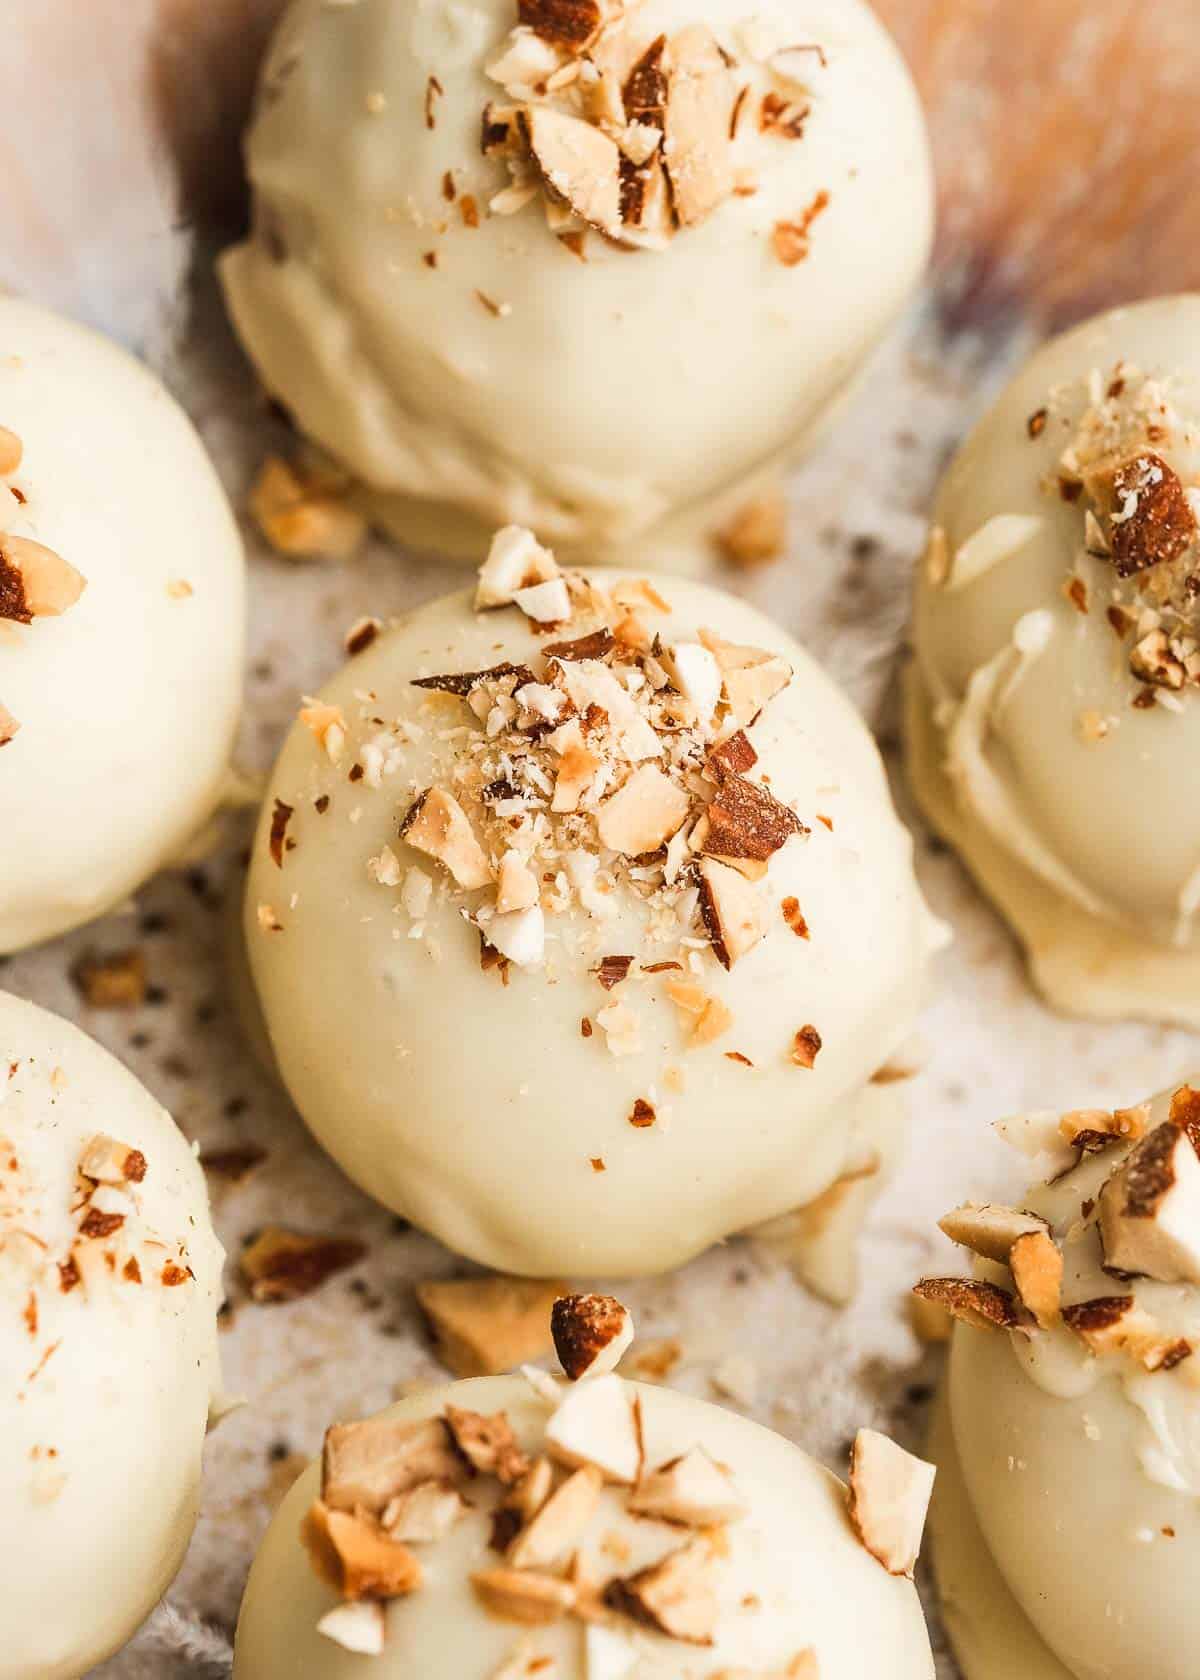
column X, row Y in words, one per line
column 437, row 825
column 483, row 1326
column 889, row 1500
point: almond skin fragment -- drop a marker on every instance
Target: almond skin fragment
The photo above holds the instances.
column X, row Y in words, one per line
column 591, row 1332
column 805, row 1047
column 566, row 23
column 283, row 1265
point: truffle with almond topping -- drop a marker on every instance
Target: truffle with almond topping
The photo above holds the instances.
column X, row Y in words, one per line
column 110, row 1281
column 726, row 1554
column 598, row 179
column 121, row 609
column 1064, row 1527
column 436, row 936
column 1057, row 676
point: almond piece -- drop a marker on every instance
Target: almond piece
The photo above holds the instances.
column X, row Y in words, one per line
column 424, row 1513
column 595, row 1423
column 591, row 1333
column 516, row 560
column 579, row 165
column 697, row 676
column 328, row 725
column 105, row 1161
column 752, row 677
column 677, row 1596
column 9, row 727
column 516, row 1595
column 747, row 821
column 1150, row 520
column 571, row 24
column 437, row 825
column 11, row 452
column 116, row 981
column 545, row 603
column 483, row 1326
column 353, row 1554
column 34, row 581
column 889, row 1499
column 730, row 910
column 487, row 1443
column 517, row 886
column 984, row 1306
column 696, row 121
column 577, row 768
column 282, row 1265
column 691, row 1490
column 357, row 1627
column 305, row 515
column 550, row 1536
column 367, row 1465
column 1150, row 1209
column 519, row 936
column 757, row 532
column 1036, row 1263
column 643, row 814
column 987, row 1230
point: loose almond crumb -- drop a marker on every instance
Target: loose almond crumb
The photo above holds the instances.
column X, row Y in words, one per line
column 284, row 1265
column 484, row 1326
column 114, row 981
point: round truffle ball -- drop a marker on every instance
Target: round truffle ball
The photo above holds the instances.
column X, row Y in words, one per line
column 548, row 923
column 554, row 1564
column 121, row 623
column 507, row 260
column 1068, row 1533
column 1055, row 690
column 110, row 1280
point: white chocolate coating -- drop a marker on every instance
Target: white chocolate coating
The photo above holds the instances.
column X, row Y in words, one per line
column 1080, row 1472
column 128, row 701
column 106, row 1384
column 1016, row 750
column 795, row 1549
column 477, row 1109
column 614, row 390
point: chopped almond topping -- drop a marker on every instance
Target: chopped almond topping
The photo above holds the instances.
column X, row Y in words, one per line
column 579, row 165
column 305, row 514
column 731, row 911
column 516, row 560
column 989, row 1231
column 793, row 240
column 485, row 1325
column 1036, row 1263
column 1150, row 1209
column 747, row 821
column 642, row 1114
column 34, row 581
column 357, row 1626
column 281, row 816
column 105, row 1161
column 691, row 1490
column 464, row 683
column 706, row 1016
column 1150, row 520
column 517, row 887
column 282, row 1265
column 437, row 825
column 591, row 1332
column 353, row 1554
column 422, row 1514
column 117, row 981
column 806, row 1046
column 981, row 1305
column 889, row 1500
column 368, row 1465
column 577, row 769
column 517, row 1595
column 550, row 1536
column 734, row 756
column 757, row 532
column 328, row 724
column 9, row 727
column 696, row 125
column 487, row 1443
column 643, row 814
column 677, row 1596
column 595, row 1424
column 566, row 23
column 752, row 676
column 11, row 452
column 794, row 917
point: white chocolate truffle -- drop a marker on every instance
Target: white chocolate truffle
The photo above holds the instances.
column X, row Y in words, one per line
column 121, row 625
column 505, row 980
column 723, row 1551
column 1072, row 1451
column 457, row 335
column 1054, row 697
column 110, row 1280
